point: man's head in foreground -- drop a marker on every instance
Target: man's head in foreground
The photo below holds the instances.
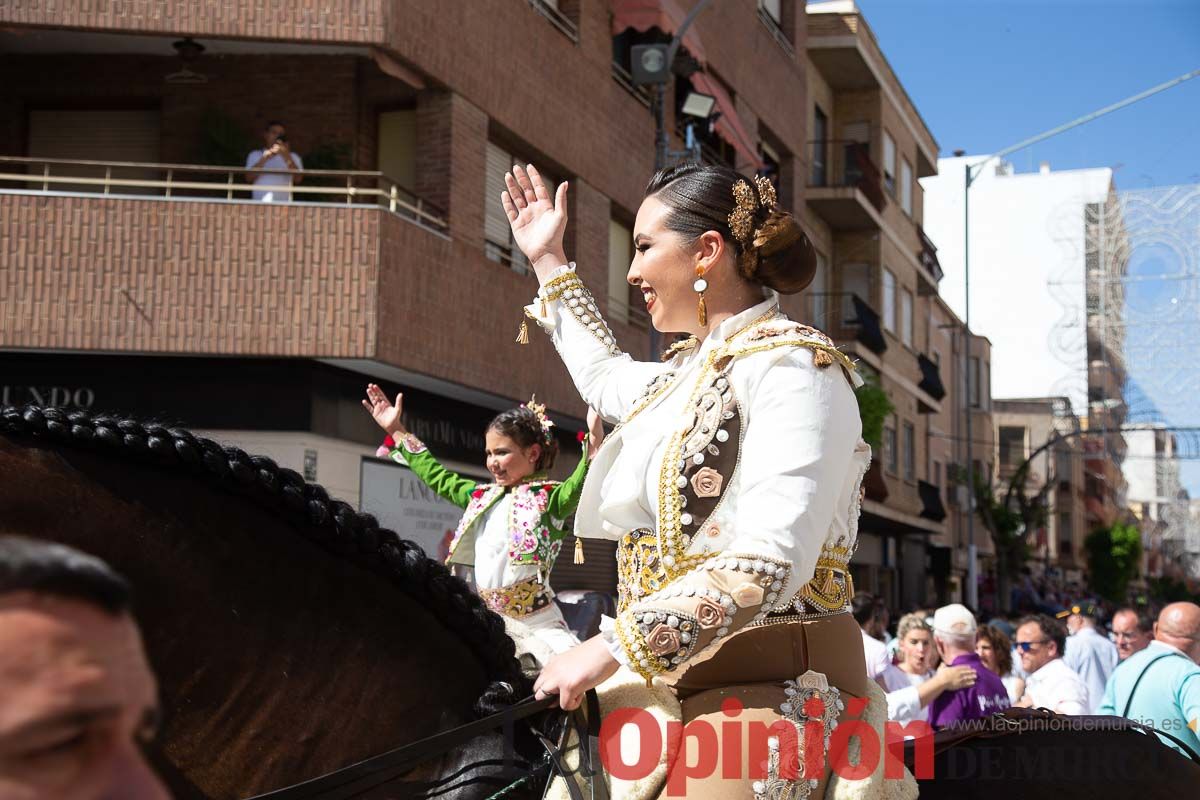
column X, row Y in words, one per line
column 79, row 699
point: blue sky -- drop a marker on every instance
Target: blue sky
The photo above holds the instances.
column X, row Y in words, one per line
column 986, row 74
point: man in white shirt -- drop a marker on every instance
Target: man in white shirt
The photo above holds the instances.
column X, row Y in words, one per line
column 1089, row 652
column 277, row 155
column 869, row 614
column 1051, row 683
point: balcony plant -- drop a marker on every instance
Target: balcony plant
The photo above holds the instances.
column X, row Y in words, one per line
column 874, row 407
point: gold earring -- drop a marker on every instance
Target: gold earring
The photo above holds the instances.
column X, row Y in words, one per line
column 700, row 286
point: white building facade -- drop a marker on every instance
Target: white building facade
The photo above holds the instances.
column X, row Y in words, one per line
column 1028, row 265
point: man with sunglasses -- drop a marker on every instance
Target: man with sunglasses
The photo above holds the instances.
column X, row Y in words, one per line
column 1041, row 641
column 1160, row 685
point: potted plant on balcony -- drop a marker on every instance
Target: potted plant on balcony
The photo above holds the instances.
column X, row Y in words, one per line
column 874, row 407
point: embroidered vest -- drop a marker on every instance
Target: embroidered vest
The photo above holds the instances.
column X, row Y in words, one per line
column 699, row 465
column 529, row 539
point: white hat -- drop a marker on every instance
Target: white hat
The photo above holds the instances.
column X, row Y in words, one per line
column 954, row 620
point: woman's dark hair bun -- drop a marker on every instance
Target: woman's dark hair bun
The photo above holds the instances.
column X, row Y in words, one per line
column 786, row 259
column 701, row 198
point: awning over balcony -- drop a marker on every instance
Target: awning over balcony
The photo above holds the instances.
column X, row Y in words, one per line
column 931, row 378
column 666, row 15
column 869, row 332
column 931, row 501
column 729, row 125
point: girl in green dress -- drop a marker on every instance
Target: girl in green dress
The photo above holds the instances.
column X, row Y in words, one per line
column 512, row 528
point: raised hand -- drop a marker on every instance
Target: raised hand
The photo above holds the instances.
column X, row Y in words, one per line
column 537, row 221
column 386, row 415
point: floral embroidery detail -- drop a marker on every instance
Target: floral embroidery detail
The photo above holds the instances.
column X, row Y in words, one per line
column 663, row 640
column 481, row 500
column 518, row 600
column 809, row 699
column 784, row 327
column 529, row 537
column 710, row 613
column 748, row 594
column 707, row 482
column 714, row 530
column 412, row 444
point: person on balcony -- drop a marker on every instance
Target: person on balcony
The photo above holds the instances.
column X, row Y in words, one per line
column 731, row 486
column 277, row 155
column 512, row 529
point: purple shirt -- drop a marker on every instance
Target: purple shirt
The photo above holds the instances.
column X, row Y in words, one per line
column 985, row 698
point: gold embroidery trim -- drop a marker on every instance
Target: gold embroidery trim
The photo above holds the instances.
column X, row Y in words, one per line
column 518, row 600
column 575, row 297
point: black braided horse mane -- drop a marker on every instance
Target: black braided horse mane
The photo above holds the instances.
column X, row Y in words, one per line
column 269, row 609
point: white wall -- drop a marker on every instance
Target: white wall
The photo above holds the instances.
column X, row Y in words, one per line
column 1139, row 466
column 1027, row 234
column 337, row 460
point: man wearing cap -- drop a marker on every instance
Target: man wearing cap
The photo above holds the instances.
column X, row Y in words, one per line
column 1041, row 640
column 954, row 637
column 1160, row 684
column 1089, row 652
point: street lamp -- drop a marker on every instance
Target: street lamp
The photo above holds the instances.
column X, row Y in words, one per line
column 651, row 66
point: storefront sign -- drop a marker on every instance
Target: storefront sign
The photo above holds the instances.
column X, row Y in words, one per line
column 59, row 396
column 401, row 502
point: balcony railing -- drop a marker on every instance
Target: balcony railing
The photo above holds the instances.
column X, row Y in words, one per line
column 776, row 32
column 848, row 316
column 625, row 80
column 556, row 18
column 198, row 182
column 847, row 163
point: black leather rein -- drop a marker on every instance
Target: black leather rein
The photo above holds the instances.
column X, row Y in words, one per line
column 357, row 778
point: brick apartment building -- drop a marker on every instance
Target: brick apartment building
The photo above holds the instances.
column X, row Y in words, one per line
column 148, row 280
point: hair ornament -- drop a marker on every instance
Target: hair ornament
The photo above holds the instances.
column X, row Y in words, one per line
column 539, row 411
column 741, row 220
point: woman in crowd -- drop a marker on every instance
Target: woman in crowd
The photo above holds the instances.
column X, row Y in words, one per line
column 512, row 529
column 995, row 651
column 912, row 685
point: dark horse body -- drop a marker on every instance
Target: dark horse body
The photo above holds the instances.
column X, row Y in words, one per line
column 290, row 635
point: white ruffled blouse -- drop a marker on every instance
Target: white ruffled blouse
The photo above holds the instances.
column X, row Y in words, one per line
column 775, row 393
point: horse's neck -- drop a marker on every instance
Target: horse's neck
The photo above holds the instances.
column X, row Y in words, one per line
column 286, row 660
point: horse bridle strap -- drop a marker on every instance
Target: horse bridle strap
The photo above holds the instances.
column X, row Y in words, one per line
column 405, row 758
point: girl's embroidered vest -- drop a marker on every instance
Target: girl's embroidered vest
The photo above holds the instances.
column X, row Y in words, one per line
column 529, row 535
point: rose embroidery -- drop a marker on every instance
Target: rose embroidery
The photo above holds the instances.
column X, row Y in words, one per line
column 748, row 594
column 813, row 680
column 710, row 613
column 707, row 482
column 663, row 640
